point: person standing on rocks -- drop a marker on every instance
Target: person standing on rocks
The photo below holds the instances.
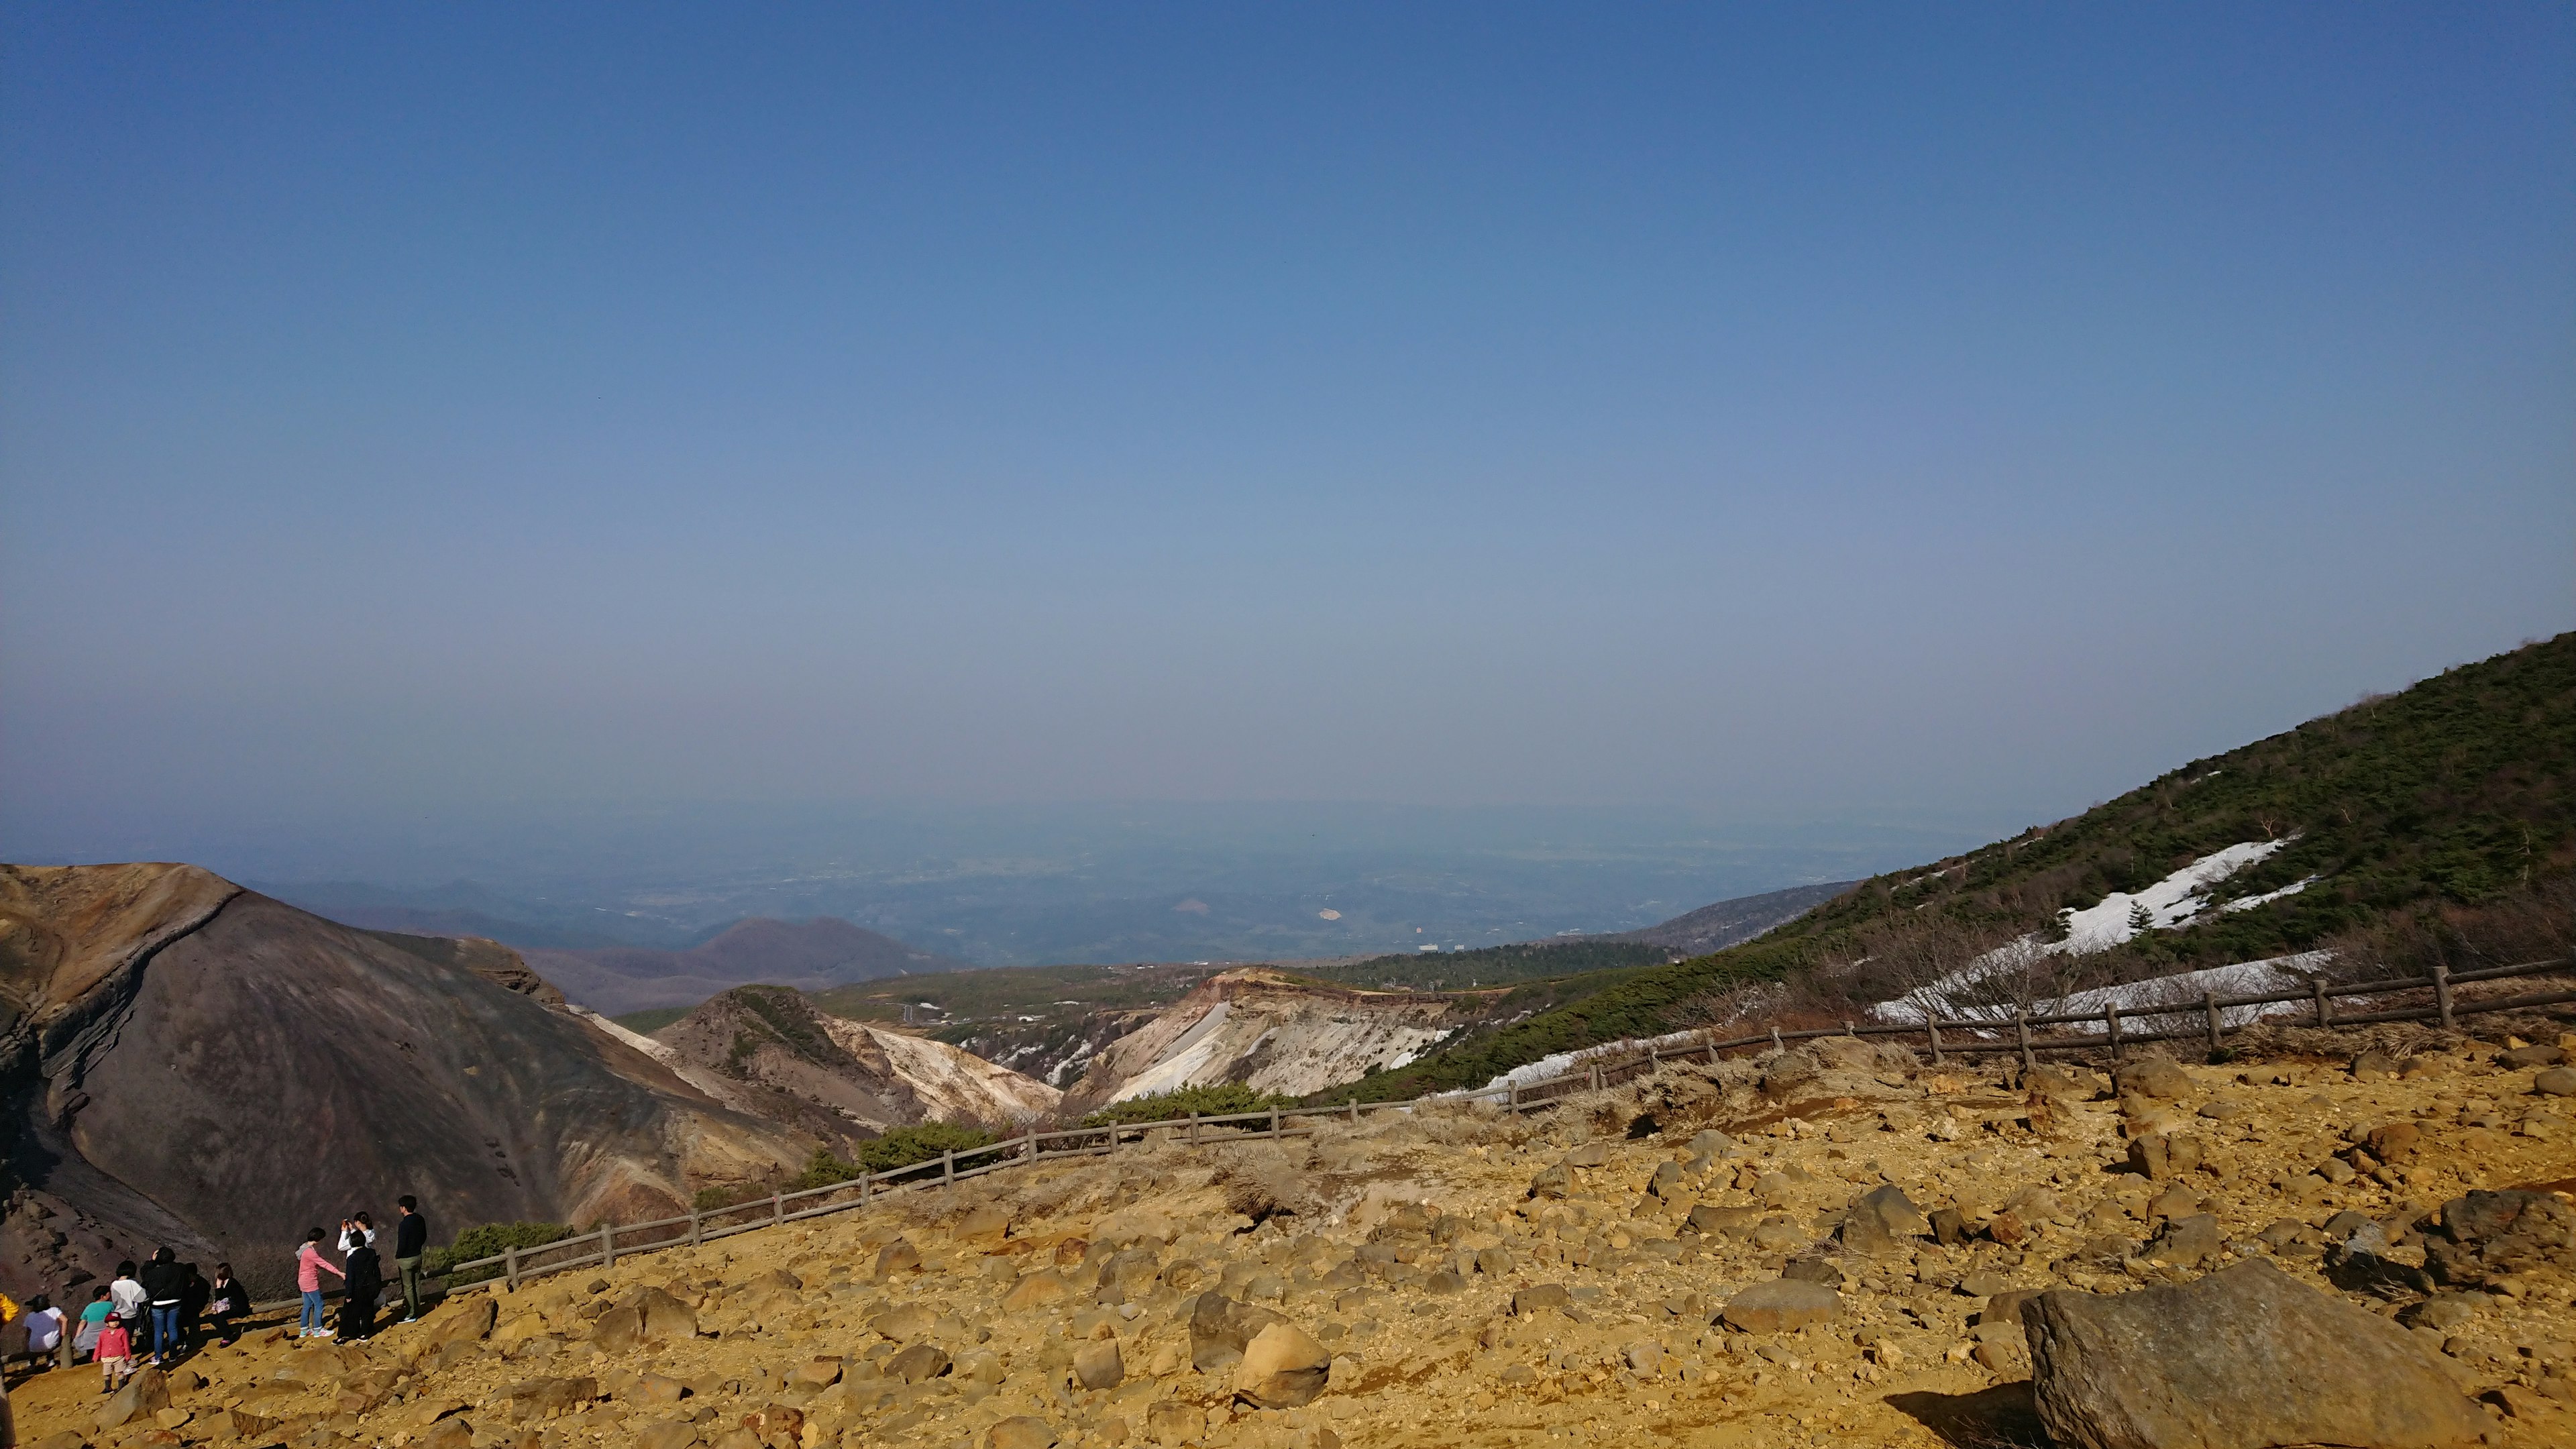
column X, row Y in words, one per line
column 131, row 1300
column 310, row 1265
column 411, row 1240
column 365, row 1277
column 165, row 1283
column 115, row 1355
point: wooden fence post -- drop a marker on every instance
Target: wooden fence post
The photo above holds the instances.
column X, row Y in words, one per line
column 1274, row 1124
column 1932, row 1025
column 2209, row 1015
column 2021, row 1033
column 1194, row 1129
column 948, row 1168
column 1354, row 1105
column 2111, row 1022
column 1776, row 1044
column 608, row 1245
column 1515, row 1089
column 777, row 1209
column 510, row 1271
column 2319, row 986
column 1033, row 1142
column 2442, row 992
column 698, row 1227
column 1712, row 1051
column 1596, row 1076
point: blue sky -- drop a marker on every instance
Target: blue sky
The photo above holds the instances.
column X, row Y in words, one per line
column 1780, row 414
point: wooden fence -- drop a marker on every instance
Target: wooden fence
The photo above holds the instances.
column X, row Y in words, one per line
column 2026, row 1037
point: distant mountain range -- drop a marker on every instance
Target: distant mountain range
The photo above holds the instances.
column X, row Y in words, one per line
column 809, row 955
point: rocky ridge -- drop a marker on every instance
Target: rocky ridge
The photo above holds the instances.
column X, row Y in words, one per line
column 1836, row 1245
column 195, row 1065
column 1272, row 1032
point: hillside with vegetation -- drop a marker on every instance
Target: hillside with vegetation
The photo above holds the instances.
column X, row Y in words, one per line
column 2438, row 820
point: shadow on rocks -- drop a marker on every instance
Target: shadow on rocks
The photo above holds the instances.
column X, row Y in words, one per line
column 2002, row 1417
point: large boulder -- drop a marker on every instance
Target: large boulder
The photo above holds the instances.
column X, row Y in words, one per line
column 1221, row 1328
column 1099, row 1365
column 2245, row 1358
column 2156, row 1077
column 651, row 1316
column 1283, row 1367
column 145, row 1394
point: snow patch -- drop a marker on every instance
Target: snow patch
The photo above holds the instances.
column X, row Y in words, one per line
column 2174, row 901
column 2265, row 899
column 2178, row 993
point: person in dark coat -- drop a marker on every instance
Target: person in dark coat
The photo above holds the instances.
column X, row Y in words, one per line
column 165, row 1287
column 227, row 1301
column 363, row 1275
column 411, row 1239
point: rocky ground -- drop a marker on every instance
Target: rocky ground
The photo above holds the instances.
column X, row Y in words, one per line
column 1829, row 1247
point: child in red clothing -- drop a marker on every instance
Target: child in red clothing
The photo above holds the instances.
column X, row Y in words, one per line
column 115, row 1355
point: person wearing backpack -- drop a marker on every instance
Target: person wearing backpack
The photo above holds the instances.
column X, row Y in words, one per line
column 165, row 1284
column 365, row 1276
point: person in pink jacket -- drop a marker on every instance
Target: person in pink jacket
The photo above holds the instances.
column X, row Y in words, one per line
column 310, row 1265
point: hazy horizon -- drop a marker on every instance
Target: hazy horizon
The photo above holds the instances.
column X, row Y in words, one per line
column 431, row 436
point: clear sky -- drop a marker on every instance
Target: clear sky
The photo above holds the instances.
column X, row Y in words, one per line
column 1954, row 414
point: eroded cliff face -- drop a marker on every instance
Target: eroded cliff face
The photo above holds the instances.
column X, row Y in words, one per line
column 1271, row 1032
column 194, row 1064
column 771, row 1050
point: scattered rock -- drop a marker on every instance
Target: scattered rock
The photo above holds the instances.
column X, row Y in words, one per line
column 1220, row 1328
column 2374, row 1064
column 2242, row 1359
column 2186, row 1242
column 1782, row 1305
column 1020, row 1431
column 984, row 1226
column 1541, row 1296
column 652, row 1316
column 897, row 1258
column 2156, row 1077
column 918, row 1364
column 1098, row 1365
column 2556, row 1082
column 2163, row 1155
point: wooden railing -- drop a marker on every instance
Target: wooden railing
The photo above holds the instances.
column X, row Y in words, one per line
column 603, row 1246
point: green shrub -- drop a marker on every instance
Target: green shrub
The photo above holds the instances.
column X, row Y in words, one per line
column 903, row 1147
column 491, row 1240
column 1218, row 1100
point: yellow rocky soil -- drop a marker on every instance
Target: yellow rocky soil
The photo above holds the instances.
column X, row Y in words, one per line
column 1459, row 1305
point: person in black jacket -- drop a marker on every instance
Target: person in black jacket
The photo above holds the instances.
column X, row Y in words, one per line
column 165, row 1285
column 411, row 1239
column 226, row 1301
column 363, row 1277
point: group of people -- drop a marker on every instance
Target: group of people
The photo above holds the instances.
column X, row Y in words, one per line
column 361, row 1273
column 154, row 1313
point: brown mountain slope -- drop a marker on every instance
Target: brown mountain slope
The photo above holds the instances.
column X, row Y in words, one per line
column 809, row 955
column 769, row 1048
column 191, row 1063
column 1714, row 928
